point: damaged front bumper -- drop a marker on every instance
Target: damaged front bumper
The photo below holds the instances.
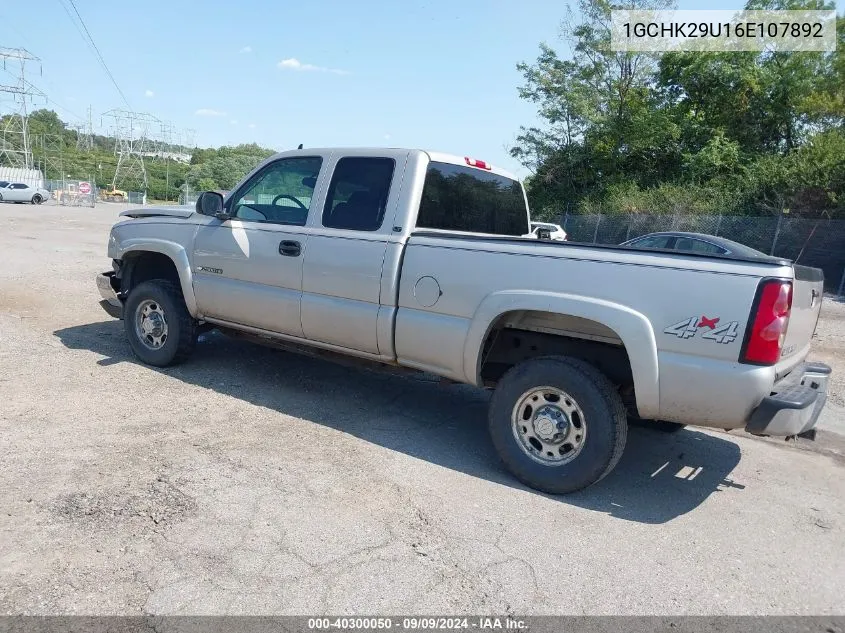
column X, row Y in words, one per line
column 794, row 405
column 109, row 287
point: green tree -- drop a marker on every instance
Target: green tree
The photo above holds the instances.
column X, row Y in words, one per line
column 224, row 167
column 601, row 118
column 742, row 132
column 54, row 151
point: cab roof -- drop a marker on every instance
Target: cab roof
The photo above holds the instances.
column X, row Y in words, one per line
column 440, row 157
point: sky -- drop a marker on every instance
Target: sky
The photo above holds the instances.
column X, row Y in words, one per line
column 434, row 74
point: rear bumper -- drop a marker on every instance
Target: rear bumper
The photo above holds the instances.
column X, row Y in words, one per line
column 111, row 303
column 794, row 405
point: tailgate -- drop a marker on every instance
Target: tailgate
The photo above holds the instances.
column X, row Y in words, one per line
column 807, row 293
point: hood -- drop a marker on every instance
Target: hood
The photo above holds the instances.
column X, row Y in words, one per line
column 184, row 211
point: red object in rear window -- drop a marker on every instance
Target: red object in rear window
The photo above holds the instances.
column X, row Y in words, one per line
column 767, row 326
column 476, row 163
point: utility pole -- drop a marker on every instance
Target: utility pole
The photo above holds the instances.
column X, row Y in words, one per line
column 15, row 147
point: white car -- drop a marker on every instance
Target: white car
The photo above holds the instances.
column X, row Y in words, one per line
column 555, row 231
column 20, row 192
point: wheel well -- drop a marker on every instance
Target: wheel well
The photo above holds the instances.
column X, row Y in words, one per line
column 521, row 335
column 144, row 266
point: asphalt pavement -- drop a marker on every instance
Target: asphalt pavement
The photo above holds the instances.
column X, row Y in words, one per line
column 255, row 481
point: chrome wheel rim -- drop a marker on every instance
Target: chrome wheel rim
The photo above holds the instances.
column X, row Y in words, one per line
column 151, row 324
column 549, row 425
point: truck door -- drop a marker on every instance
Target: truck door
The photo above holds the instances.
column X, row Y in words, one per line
column 248, row 270
column 342, row 279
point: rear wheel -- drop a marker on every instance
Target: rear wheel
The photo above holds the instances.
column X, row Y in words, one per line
column 557, row 423
column 160, row 330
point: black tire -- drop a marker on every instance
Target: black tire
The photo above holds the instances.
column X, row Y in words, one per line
column 604, row 416
column 37, row 199
column 181, row 327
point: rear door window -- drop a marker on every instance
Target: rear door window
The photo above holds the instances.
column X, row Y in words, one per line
column 357, row 196
column 653, row 241
column 698, row 246
column 458, row 198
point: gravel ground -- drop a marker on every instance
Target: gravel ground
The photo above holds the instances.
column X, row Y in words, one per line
column 255, row 481
column 829, row 346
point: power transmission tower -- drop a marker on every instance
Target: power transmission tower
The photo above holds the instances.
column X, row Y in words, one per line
column 132, row 134
column 15, row 147
column 51, row 148
column 168, row 131
column 85, row 134
column 189, row 142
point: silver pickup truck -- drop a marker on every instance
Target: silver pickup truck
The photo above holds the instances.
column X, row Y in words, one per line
column 416, row 260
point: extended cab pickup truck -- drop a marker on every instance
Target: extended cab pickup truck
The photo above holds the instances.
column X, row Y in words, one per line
column 416, row 260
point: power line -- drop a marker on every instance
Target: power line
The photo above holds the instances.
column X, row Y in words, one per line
column 94, row 46
column 35, row 89
column 11, row 24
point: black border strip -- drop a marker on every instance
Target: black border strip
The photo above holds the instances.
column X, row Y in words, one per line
column 497, row 622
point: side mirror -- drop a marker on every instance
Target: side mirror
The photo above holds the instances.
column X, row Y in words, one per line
column 211, row 203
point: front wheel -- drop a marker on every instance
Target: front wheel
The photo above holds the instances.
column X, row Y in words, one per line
column 37, row 199
column 160, row 329
column 558, row 424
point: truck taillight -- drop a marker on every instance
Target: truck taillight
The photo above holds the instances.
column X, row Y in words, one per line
column 767, row 325
column 472, row 162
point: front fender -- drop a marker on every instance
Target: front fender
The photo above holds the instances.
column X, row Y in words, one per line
column 175, row 251
column 632, row 327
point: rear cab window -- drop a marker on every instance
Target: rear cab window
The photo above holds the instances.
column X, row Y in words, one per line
column 358, row 193
column 473, row 200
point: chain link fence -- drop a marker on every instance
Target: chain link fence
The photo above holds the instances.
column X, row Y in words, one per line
column 188, row 195
column 73, row 193
column 813, row 242
column 86, row 193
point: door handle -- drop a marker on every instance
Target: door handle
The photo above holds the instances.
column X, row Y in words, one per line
column 290, row 248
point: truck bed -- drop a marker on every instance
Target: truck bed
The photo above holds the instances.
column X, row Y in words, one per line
column 631, row 297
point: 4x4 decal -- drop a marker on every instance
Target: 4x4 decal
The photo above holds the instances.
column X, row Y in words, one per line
column 689, row 327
